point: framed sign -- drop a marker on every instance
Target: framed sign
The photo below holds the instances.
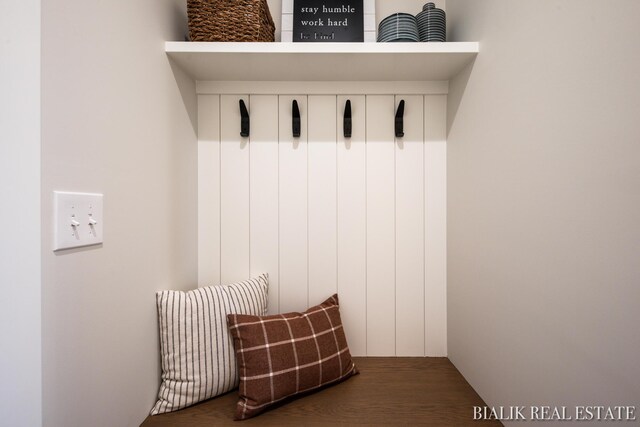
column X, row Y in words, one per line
column 305, row 21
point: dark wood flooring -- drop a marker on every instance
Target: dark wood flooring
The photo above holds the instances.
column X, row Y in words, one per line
column 388, row 391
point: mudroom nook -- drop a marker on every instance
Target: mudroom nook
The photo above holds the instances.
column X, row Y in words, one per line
column 285, row 188
column 221, row 212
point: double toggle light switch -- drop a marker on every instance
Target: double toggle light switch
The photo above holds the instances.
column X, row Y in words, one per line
column 78, row 220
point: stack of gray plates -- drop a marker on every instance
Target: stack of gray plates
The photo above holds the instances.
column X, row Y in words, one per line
column 399, row 27
column 432, row 24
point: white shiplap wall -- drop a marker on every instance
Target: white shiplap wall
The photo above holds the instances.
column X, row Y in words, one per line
column 364, row 216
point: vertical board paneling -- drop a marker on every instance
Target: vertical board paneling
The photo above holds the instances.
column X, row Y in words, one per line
column 293, row 208
column 322, row 197
column 380, row 226
column 435, row 161
column 352, row 230
column 364, row 216
column 264, row 193
column 234, row 192
column 208, row 190
column 410, row 230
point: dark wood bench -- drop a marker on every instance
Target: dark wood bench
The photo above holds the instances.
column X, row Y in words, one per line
column 388, row 391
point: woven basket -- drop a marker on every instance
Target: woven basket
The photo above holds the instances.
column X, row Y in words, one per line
column 230, row 21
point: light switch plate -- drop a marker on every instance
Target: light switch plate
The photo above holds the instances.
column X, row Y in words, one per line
column 78, row 221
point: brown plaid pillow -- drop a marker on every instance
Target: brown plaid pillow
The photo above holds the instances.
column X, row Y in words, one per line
column 286, row 354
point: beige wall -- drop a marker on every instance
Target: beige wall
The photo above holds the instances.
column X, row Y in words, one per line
column 113, row 121
column 20, row 334
column 544, row 206
column 275, row 7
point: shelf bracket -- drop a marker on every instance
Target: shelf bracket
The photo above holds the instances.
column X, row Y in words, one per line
column 347, row 119
column 296, row 119
column 400, row 120
column 245, row 123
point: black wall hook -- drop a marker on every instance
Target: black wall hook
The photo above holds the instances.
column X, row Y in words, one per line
column 400, row 120
column 245, row 123
column 296, row 119
column 347, row 119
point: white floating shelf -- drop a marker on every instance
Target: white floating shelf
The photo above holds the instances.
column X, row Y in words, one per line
column 322, row 61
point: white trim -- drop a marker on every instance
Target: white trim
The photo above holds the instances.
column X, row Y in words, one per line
column 173, row 47
column 287, row 7
column 211, row 87
column 370, row 7
column 321, row 61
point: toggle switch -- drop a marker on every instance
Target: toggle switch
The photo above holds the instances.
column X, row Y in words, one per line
column 78, row 220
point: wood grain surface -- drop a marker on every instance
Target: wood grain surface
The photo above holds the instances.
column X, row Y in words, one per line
column 388, row 391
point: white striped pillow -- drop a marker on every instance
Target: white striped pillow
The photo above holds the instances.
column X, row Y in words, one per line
column 198, row 358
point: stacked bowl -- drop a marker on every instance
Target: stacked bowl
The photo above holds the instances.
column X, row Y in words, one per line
column 399, row 27
column 432, row 24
